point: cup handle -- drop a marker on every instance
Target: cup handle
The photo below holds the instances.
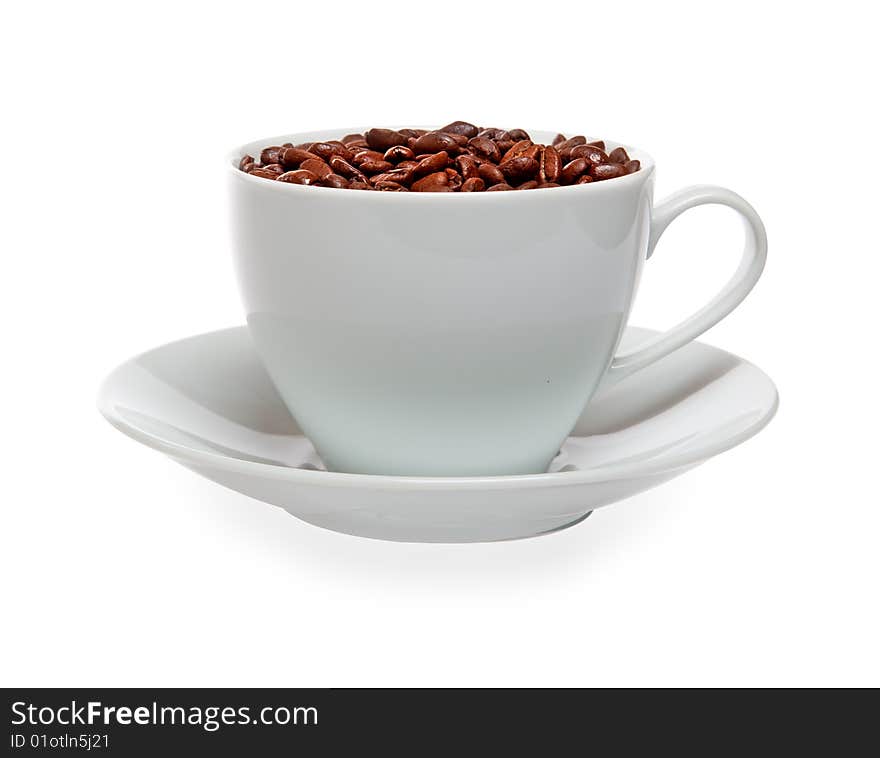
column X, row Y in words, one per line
column 731, row 295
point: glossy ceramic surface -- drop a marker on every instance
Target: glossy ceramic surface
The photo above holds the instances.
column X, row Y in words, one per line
column 209, row 404
column 450, row 334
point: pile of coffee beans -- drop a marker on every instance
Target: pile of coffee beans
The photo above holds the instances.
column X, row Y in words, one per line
column 460, row 157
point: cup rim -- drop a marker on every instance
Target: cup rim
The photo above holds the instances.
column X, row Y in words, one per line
column 249, row 148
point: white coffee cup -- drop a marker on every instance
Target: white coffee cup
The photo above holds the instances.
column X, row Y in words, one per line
column 450, row 334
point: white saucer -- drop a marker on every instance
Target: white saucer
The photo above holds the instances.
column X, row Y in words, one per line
column 207, row 402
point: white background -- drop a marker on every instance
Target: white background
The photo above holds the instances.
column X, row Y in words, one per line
column 121, row 568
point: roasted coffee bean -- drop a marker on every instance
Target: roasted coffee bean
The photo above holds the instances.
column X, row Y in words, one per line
column 551, row 164
column 433, row 142
column 317, row 167
column 491, row 174
column 370, row 166
column 399, row 175
column 573, row 170
column 325, row 149
column 518, row 149
column 485, row 148
column 390, row 187
column 293, row 156
column 398, row 153
column 460, row 157
column 498, row 135
column 271, row 155
column 454, row 179
column 437, row 182
column 461, row 127
column 607, row 171
column 382, row 139
column 593, row 154
column 334, row 180
column 432, row 163
column 519, row 169
column 340, row 166
column 300, row 176
column 362, row 156
column 473, row 184
column 467, row 167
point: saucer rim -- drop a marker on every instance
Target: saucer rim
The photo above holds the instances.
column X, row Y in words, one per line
column 600, row 474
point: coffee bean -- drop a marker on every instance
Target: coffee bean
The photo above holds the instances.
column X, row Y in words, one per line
column 467, row 167
column 491, row 174
column 473, row 184
column 454, row 179
column 551, row 164
column 519, row 169
column 460, row 157
column 573, row 170
column 325, row 149
column 485, row 147
column 362, row 156
column 437, row 182
column 339, row 165
column 607, row 171
column 382, row 139
column 570, row 143
column 371, row 166
column 334, row 180
column 398, row 153
column 317, row 167
column 293, row 156
column 461, row 127
column 300, row 176
column 271, row 154
column 390, row 187
column 591, row 153
column 432, row 163
column 518, row 149
column 433, row 142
